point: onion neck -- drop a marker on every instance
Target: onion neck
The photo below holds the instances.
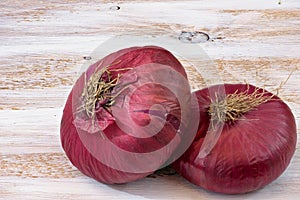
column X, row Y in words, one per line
column 97, row 92
column 233, row 106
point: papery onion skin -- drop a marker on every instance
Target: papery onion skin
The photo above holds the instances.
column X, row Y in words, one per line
column 249, row 154
column 82, row 158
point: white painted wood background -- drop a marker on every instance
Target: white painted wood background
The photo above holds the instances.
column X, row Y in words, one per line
column 42, row 48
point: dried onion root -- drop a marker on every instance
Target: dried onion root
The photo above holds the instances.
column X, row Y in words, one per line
column 98, row 90
column 234, row 105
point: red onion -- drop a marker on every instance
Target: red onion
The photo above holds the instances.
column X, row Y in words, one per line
column 125, row 116
column 245, row 140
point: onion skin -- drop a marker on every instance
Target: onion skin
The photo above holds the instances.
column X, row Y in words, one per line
column 249, row 154
column 77, row 152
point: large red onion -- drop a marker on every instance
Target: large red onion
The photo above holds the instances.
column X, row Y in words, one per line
column 245, row 140
column 125, row 116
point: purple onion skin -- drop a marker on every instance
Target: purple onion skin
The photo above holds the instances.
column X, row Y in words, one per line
column 249, row 154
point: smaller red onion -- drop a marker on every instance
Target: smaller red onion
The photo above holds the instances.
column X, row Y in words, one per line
column 244, row 141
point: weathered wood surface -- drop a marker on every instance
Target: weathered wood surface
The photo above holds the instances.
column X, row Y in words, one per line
column 42, row 48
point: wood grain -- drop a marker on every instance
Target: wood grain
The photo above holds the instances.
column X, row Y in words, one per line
column 42, row 48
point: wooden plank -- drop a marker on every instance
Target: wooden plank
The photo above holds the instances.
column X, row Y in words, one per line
column 42, row 48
